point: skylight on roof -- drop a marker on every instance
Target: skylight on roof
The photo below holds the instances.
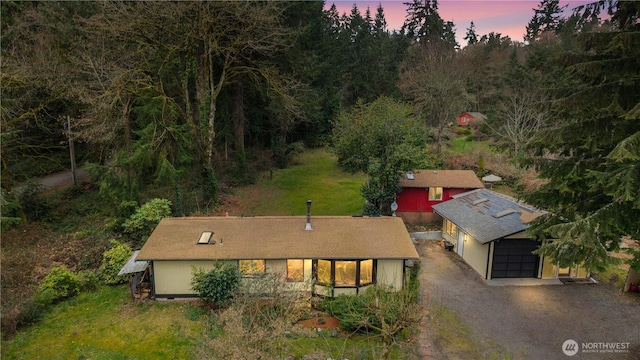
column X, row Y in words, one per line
column 504, row 213
column 205, row 238
column 410, row 175
column 479, row 201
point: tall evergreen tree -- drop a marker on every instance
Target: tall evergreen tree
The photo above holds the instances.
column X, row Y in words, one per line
column 547, row 18
column 424, row 23
column 471, row 36
column 591, row 156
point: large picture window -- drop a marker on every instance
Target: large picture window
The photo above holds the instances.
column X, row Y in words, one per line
column 295, row 270
column 345, row 273
column 252, row 267
column 435, row 194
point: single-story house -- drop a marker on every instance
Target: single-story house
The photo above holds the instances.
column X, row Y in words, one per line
column 422, row 189
column 468, row 118
column 325, row 255
column 487, row 230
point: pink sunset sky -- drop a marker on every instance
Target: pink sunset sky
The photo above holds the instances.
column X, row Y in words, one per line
column 508, row 17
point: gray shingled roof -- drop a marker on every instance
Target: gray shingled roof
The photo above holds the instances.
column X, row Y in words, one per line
column 132, row 265
column 487, row 215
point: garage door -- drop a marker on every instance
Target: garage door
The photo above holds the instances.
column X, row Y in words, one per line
column 513, row 259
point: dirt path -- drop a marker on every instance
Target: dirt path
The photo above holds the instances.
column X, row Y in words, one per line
column 63, row 179
column 530, row 322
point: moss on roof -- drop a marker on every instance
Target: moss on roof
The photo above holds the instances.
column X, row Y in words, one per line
column 280, row 238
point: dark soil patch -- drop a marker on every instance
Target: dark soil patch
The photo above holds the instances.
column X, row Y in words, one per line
column 29, row 252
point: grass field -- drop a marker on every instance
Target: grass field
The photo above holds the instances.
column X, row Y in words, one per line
column 106, row 324
column 461, row 145
column 315, row 176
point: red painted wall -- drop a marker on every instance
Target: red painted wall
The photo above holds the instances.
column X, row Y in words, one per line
column 417, row 199
column 465, row 119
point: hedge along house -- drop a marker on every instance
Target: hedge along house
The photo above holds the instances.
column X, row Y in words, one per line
column 487, row 230
column 424, row 188
column 327, row 256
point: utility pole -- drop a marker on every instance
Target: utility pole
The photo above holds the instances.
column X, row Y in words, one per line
column 72, row 153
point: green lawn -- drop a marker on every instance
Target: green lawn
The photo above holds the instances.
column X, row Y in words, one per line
column 462, row 145
column 316, row 177
column 106, row 324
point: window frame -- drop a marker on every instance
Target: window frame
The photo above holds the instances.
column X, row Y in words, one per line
column 346, row 265
column 358, row 273
column 289, row 277
column 316, row 264
column 257, row 273
column 450, row 228
column 435, row 190
column 373, row 272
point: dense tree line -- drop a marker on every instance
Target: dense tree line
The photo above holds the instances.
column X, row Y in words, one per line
column 163, row 91
column 187, row 95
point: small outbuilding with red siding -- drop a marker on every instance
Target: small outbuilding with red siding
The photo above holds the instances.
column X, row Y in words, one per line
column 468, row 118
column 422, row 189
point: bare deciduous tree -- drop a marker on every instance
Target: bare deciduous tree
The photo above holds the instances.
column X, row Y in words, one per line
column 521, row 115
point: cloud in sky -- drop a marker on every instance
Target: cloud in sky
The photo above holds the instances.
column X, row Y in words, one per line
column 508, row 17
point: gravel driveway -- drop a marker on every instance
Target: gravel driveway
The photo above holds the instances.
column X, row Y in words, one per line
column 529, row 322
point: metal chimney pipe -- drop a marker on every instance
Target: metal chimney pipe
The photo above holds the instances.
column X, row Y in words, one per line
column 308, row 226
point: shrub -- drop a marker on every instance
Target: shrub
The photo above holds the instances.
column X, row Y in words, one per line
column 32, row 312
column 10, row 211
column 218, row 285
column 378, row 309
column 140, row 225
column 112, row 261
column 88, row 280
column 33, row 203
column 58, row 285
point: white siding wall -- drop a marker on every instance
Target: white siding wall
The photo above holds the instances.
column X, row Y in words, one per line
column 344, row 291
column 390, row 273
column 475, row 254
column 174, row 277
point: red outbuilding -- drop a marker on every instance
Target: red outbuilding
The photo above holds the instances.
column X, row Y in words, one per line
column 422, row 189
column 469, row 118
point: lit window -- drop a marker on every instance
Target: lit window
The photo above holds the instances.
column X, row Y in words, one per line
column 345, row 273
column 252, row 267
column 435, row 194
column 366, row 272
column 324, row 272
column 450, row 228
column 295, row 270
